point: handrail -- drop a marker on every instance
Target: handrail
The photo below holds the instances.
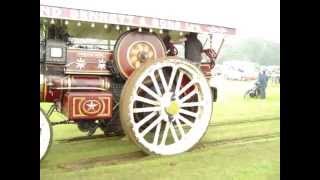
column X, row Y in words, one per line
column 79, row 88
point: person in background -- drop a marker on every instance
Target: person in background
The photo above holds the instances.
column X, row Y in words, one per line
column 171, row 50
column 263, row 82
column 193, row 48
column 169, row 43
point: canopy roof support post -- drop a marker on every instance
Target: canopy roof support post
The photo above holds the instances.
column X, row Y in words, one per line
column 210, row 41
column 221, row 44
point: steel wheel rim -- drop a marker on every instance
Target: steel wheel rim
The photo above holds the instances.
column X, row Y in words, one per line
column 168, row 115
column 45, row 135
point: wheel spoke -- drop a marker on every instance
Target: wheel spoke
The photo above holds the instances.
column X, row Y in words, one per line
column 163, row 80
column 185, row 120
column 165, row 134
column 145, row 100
column 192, row 104
column 187, row 86
column 173, row 132
column 173, row 74
column 182, row 133
column 188, row 96
column 179, row 82
column 183, row 111
column 155, row 84
column 156, row 135
column 146, row 109
column 144, row 120
column 150, row 92
column 151, row 126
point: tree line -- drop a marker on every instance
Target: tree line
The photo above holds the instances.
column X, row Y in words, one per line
column 254, row 50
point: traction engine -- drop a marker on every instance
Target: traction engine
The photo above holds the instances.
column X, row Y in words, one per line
column 162, row 103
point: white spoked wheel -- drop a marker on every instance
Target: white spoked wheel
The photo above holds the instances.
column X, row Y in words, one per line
column 45, row 135
column 166, row 106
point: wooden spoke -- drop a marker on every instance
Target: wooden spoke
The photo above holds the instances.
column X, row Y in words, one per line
column 179, row 82
column 182, row 133
column 156, row 135
column 146, row 109
column 173, row 132
column 163, row 80
column 187, row 86
column 148, row 101
column 145, row 119
column 150, row 92
column 185, row 120
column 191, row 104
column 173, row 74
column 151, row 126
column 188, row 96
column 189, row 113
column 155, row 84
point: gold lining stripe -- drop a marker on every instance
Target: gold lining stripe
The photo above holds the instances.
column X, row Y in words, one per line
column 88, row 72
column 69, row 81
column 103, row 82
column 107, row 83
column 45, row 89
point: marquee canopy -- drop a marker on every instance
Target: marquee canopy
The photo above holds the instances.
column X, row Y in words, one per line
column 66, row 13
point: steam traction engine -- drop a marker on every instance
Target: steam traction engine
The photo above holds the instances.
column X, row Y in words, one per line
column 162, row 103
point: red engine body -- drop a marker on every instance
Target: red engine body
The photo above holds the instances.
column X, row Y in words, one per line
column 81, row 85
column 80, row 78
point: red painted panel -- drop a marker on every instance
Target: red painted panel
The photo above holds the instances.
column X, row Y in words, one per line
column 206, row 69
column 87, row 61
column 87, row 105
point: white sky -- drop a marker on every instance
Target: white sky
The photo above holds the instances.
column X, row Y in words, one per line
column 251, row 18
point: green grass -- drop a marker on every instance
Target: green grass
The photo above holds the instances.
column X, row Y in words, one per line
column 251, row 160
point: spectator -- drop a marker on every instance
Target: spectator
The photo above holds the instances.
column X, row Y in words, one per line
column 193, row 48
column 263, row 82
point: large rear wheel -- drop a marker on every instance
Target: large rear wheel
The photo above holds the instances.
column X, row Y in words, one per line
column 166, row 106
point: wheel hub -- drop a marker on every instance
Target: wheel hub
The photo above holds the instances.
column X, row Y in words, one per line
column 170, row 104
column 173, row 108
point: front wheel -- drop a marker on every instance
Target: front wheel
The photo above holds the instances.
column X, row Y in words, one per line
column 45, row 135
column 166, row 106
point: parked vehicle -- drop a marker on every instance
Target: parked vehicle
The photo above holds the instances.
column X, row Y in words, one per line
column 233, row 74
column 240, row 70
column 249, row 75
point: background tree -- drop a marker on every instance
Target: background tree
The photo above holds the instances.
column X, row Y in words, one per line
column 250, row 49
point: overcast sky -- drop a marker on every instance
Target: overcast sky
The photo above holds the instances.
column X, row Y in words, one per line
column 251, row 18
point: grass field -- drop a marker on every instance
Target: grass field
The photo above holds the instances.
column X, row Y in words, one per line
column 242, row 143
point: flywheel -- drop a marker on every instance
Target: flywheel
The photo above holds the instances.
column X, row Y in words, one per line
column 133, row 48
